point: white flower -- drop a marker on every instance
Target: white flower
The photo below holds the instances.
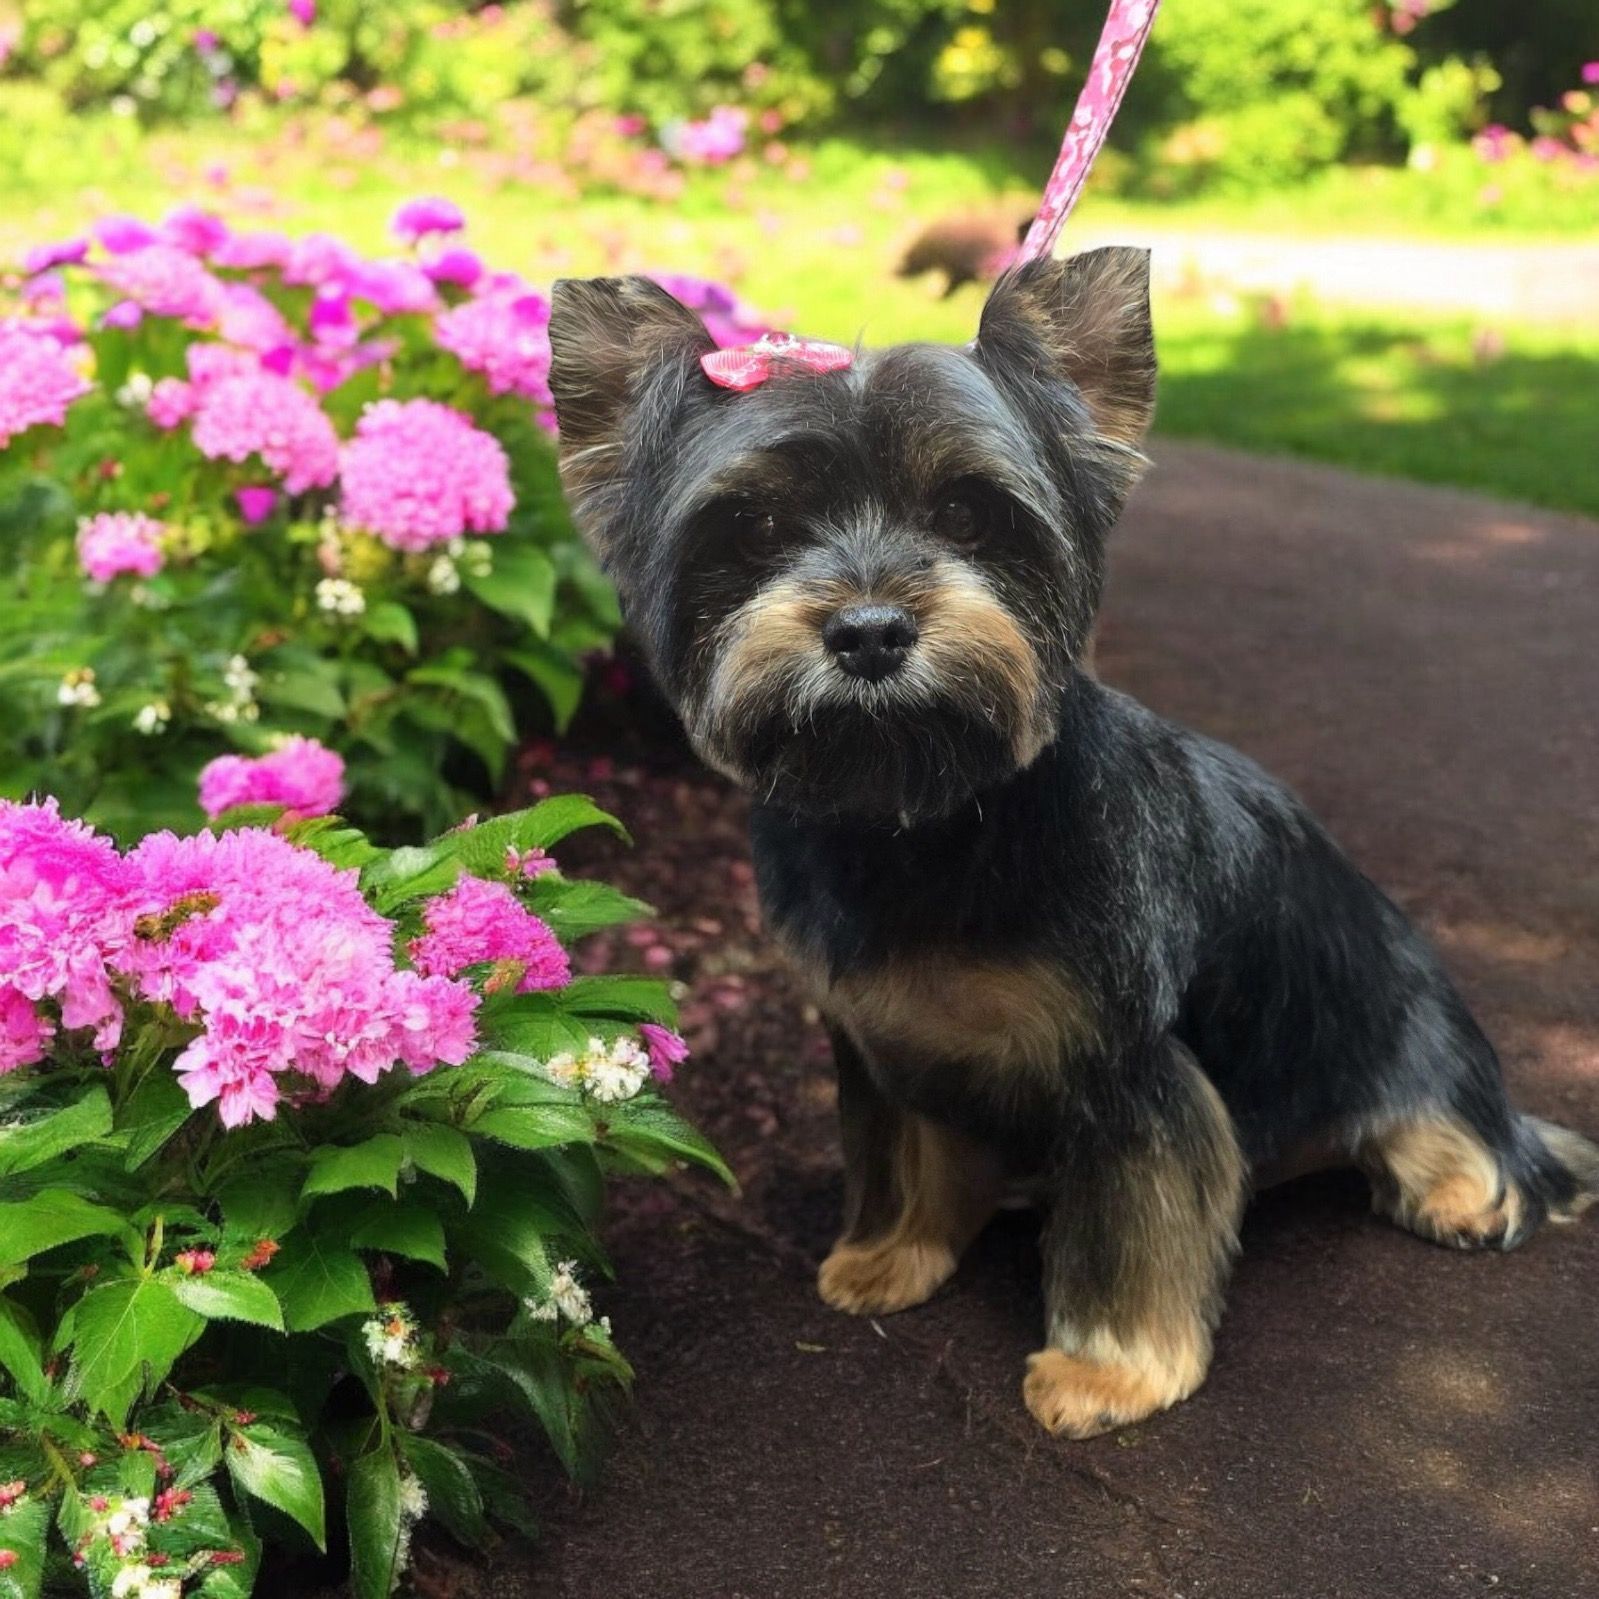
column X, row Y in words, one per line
column 77, row 688
column 391, row 1338
column 340, row 596
column 569, row 1296
column 136, row 391
column 413, row 1499
column 564, row 1069
column 239, row 679
column 163, row 1588
column 618, row 1073
column 153, row 718
column 443, row 576
column 131, row 1580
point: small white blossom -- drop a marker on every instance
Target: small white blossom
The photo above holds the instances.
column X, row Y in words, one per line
column 239, row 680
column 131, row 1580
column 163, row 1588
column 152, row 718
column 136, row 391
column 567, row 1298
column 413, row 1499
column 476, row 557
column 564, row 1069
column 340, row 596
column 391, row 1338
column 616, row 1073
column 77, row 688
column 444, row 577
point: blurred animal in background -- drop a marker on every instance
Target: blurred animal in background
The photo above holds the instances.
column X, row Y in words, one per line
column 966, row 248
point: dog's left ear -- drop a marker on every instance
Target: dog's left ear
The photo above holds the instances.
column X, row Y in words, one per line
column 606, row 334
column 1089, row 316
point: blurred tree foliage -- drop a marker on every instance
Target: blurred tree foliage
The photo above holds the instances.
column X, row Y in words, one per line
column 1234, row 93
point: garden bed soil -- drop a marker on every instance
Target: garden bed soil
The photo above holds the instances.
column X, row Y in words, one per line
column 1384, row 1417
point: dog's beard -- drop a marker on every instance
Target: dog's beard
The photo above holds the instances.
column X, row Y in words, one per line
column 968, row 708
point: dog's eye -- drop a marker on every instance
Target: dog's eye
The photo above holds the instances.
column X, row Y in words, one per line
column 957, row 520
column 755, row 522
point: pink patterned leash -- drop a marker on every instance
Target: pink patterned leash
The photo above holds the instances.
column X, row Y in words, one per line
column 1120, row 44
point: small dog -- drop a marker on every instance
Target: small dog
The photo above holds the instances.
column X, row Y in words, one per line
column 1064, row 947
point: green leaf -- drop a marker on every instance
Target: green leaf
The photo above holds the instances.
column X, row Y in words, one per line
column 390, row 623
column 655, row 1135
column 551, row 820
column 317, row 1280
column 372, row 1164
column 444, row 1153
column 575, row 909
column 125, row 1337
column 20, row 1351
column 621, row 998
column 452, row 1493
column 257, row 1205
column 554, row 673
column 54, row 1216
column 475, row 687
column 504, row 1496
column 377, row 1526
column 230, row 1296
column 157, row 1108
column 537, row 1373
column 521, row 584
column 24, row 1531
column 280, row 1469
column 311, row 686
column 401, row 1229
column 536, row 1126
column 31, row 1143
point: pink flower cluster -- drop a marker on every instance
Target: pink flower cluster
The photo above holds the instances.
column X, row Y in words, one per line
column 418, row 473
column 712, row 140
column 261, row 414
column 115, row 542
column 268, row 950
column 506, row 338
column 301, row 774
column 479, row 922
column 38, row 381
column 166, row 280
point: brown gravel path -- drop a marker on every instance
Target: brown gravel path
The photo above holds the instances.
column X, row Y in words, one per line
column 1385, row 1420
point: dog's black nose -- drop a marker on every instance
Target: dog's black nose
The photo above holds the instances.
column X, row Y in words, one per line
column 870, row 641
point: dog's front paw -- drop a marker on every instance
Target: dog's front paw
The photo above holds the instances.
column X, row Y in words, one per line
column 1077, row 1398
column 875, row 1279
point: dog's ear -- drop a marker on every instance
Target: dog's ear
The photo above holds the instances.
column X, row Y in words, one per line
column 1089, row 315
column 606, row 334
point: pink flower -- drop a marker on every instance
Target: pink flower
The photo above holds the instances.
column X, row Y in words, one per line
column 120, row 234
column 301, row 774
column 303, row 12
column 331, row 321
column 260, row 414
column 717, row 138
column 1590, row 72
column 418, row 473
column 194, row 229
column 457, row 267
column 256, row 503
column 171, row 401
column 125, row 314
column 666, row 1050
column 65, row 897
column 24, row 1034
column 37, row 382
column 394, row 287
column 529, row 862
column 65, row 252
column 115, row 542
column 166, row 281
column 246, row 317
column 317, row 258
column 250, row 252
column 480, row 923
column 424, row 215
column 506, row 338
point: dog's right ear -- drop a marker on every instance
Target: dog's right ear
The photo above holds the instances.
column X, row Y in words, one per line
column 606, row 334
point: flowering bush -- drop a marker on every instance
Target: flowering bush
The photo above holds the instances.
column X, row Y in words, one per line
column 302, row 1145
column 254, row 486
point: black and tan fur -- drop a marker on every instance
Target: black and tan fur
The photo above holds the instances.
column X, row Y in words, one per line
column 1066, row 949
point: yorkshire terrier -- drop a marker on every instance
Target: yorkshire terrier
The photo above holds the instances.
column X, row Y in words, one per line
column 1065, row 948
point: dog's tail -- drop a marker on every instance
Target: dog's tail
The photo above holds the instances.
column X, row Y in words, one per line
column 1556, row 1170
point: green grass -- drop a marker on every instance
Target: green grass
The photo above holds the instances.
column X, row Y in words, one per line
column 1387, row 394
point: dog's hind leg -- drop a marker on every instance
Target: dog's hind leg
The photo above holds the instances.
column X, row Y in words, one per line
column 1142, row 1229
column 915, row 1195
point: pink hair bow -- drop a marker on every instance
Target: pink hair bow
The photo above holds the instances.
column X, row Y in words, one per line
column 747, row 366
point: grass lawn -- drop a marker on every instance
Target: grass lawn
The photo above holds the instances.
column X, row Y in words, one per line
column 1506, row 410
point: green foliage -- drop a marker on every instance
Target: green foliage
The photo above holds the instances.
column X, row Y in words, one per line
column 385, row 1280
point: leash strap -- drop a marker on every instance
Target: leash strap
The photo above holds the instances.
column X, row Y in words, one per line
column 1120, row 45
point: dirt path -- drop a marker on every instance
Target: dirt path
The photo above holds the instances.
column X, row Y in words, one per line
column 1385, row 1420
